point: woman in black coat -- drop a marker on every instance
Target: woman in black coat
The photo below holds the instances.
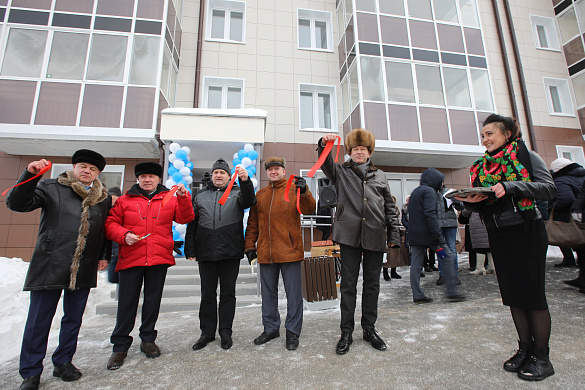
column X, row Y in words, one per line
column 517, row 237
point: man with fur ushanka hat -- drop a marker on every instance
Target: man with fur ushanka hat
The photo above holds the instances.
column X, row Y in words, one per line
column 365, row 225
column 141, row 223
column 70, row 249
column 274, row 237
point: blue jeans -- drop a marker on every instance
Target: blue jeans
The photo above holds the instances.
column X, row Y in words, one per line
column 416, row 265
column 450, row 234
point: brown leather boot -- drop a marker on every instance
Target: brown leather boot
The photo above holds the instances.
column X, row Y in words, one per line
column 151, row 350
column 116, row 360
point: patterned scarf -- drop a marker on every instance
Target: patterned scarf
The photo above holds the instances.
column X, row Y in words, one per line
column 502, row 166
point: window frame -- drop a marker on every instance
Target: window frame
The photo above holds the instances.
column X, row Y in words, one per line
column 576, row 151
column 228, row 6
column 565, row 96
column 316, row 89
column 315, row 16
column 224, row 83
column 550, row 30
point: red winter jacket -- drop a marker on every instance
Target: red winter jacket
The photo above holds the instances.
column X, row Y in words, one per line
column 134, row 213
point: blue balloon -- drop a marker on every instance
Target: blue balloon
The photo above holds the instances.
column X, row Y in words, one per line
column 251, row 170
column 172, row 170
column 242, row 153
column 176, row 235
column 177, row 177
column 236, row 161
column 183, row 182
column 189, row 165
column 181, row 154
column 233, row 170
column 253, row 155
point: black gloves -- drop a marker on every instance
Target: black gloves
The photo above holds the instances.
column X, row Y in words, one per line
column 301, row 184
column 177, row 247
column 251, row 256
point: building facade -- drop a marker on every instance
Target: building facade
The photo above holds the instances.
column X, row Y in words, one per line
column 420, row 74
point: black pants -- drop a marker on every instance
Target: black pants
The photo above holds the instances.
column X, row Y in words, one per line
column 210, row 272
column 128, row 296
column 351, row 257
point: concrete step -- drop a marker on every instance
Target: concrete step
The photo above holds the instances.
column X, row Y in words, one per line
column 194, row 290
column 193, row 269
column 179, row 304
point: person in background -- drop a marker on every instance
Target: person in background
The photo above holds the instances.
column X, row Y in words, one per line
column 577, row 209
column 390, row 264
column 365, row 225
column 479, row 243
column 569, row 178
column 142, row 226
column 70, row 249
column 274, row 237
column 215, row 239
column 115, row 193
column 517, row 237
column 447, row 218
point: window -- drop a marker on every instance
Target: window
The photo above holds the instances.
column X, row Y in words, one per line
column 68, row 53
column 545, row 36
column 24, row 53
column 579, row 89
column 469, row 15
column 107, row 58
column 145, row 60
column 315, row 30
column 482, row 91
column 430, row 90
column 226, row 21
column 568, row 25
column 456, row 87
column 573, row 153
column 558, row 97
column 111, row 176
column 317, row 107
column 446, row 10
column 223, row 93
column 399, row 82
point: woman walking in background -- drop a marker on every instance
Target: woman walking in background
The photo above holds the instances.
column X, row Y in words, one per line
column 517, row 237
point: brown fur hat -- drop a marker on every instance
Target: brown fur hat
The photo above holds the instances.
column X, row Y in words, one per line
column 359, row 137
column 271, row 161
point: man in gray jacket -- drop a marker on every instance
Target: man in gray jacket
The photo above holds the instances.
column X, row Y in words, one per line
column 365, row 220
column 215, row 239
column 69, row 251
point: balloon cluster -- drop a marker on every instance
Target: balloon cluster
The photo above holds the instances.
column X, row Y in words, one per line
column 247, row 158
column 180, row 166
column 179, row 172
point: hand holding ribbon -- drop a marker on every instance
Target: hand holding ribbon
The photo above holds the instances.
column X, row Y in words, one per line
column 37, row 168
column 330, row 141
column 179, row 189
column 299, row 186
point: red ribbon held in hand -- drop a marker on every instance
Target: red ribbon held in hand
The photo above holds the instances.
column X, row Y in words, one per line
column 169, row 196
column 45, row 169
column 226, row 194
column 287, row 189
column 324, row 155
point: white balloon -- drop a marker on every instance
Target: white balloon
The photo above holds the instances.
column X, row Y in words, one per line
column 181, row 228
column 241, row 166
column 174, row 147
column 184, row 171
column 179, row 164
column 170, row 183
column 253, row 162
column 172, row 158
column 188, row 179
column 248, row 147
column 246, row 162
column 187, row 150
column 235, row 155
column 255, row 182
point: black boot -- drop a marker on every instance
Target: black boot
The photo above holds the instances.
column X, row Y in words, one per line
column 537, row 367
column 394, row 274
column 385, row 272
column 515, row 362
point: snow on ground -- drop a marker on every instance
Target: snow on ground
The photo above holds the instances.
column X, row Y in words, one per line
column 14, row 305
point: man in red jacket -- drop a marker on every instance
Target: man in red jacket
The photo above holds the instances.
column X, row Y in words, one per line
column 143, row 227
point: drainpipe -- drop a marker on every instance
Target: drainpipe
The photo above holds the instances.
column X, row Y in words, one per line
column 521, row 77
column 505, row 59
column 198, row 54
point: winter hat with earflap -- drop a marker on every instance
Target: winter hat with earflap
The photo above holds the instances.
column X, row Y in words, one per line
column 359, row 137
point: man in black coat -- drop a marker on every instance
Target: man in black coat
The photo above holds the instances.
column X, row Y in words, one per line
column 70, row 250
column 215, row 239
column 424, row 232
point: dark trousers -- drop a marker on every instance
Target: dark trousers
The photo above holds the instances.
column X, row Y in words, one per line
column 210, row 272
column 351, row 257
column 43, row 304
column 128, row 296
column 291, row 276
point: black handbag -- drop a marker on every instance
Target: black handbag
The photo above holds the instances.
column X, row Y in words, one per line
column 565, row 234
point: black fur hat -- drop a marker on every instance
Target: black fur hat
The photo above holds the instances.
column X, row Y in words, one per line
column 359, row 137
column 146, row 168
column 90, row 157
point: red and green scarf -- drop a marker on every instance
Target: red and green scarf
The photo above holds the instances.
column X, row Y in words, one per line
column 502, row 166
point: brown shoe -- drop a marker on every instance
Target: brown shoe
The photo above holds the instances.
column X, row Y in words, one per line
column 151, row 350
column 116, row 360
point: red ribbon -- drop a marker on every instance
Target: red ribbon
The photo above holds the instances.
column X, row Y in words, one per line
column 45, row 169
column 287, row 189
column 324, row 155
column 226, row 194
column 169, row 196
